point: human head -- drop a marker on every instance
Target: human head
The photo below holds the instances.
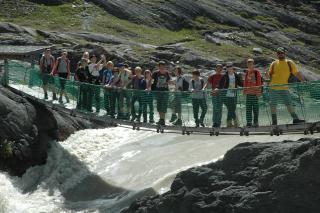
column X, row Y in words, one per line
column 250, row 64
column 178, row 71
column 86, row 55
column 93, row 59
column 84, row 62
column 230, row 68
column 64, row 54
column 147, row 74
column 138, row 71
column 196, row 74
column 120, row 66
column 219, row 68
column 281, row 53
column 110, row 65
column 47, row 52
column 162, row 66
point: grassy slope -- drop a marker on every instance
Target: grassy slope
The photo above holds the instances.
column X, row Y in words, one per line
column 71, row 17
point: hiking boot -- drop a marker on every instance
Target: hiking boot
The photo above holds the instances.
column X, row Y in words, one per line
column 298, row 121
column 145, row 120
column 202, row 124
column 151, row 121
column 173, row 118
column 46, row 96
column 54, row 97
column 178, row 122
column 197, row 125
column 161, row 122
column 229, row 124
column 60, row 100
column 274, row 123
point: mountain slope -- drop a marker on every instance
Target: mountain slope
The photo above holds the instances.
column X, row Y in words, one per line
column 204, row 30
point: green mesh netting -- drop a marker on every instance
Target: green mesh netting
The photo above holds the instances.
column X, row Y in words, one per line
column 303, row 97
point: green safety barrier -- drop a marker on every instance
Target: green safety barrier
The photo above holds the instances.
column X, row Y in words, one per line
column 304, row 99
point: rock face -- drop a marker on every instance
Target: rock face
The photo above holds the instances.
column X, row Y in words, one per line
column 28, row 127
column 252, row 177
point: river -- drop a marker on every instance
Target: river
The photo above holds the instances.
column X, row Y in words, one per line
column 105, row 170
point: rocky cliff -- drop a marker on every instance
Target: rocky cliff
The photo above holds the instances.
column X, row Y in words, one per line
column 195, row 34
column 26, row 127
column 252, row 177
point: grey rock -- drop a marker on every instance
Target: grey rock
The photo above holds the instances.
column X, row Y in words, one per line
column 252, row 177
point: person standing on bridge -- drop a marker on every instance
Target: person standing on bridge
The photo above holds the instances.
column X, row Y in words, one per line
column 229, row 84
column 85, row 96
column 161, row 79
column 62, row 69
column 138, row 86
column 94, row 69
column 124, row 81
column 181, row 85
column 214, row 81
column 107, row 77
column 149, row 95
column 252, row 90
column 280, row 72
column 46, row 65
column 199, row 99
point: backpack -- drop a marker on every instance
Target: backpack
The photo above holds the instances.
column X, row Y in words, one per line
column 193, row 83
column 185, row 85
column 292, row 78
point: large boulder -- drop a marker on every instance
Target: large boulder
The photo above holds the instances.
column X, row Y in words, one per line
column 27, row 127
column 252, row 177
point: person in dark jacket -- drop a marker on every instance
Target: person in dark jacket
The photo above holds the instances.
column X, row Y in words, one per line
column 84, row 77
column 138, row 86
column 230, row 82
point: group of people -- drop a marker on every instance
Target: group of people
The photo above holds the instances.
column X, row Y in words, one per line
column 130, row 94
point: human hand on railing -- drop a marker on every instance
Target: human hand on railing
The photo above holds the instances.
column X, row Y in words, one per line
column 215, row 91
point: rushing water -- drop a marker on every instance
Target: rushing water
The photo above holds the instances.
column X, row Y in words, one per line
column 105, row 170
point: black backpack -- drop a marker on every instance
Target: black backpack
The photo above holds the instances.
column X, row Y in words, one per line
column 193, row 83
column 185, row 85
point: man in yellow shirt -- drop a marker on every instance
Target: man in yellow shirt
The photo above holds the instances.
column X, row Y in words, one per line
column 280, row 71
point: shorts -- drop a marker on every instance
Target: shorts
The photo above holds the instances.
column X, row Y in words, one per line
column 47, row 79
column 63, row 79
column 162, row 101
column 280, row 97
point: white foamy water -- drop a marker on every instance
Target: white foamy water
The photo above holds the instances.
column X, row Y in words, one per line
column 105, row 170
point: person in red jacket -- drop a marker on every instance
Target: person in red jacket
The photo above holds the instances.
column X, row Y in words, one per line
column 252, row 90
column 62, row 69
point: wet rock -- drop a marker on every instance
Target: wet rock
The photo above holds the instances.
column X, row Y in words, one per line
column 29, row 126
column 252, row 177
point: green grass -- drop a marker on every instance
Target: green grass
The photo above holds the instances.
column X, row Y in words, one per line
column 70, row 17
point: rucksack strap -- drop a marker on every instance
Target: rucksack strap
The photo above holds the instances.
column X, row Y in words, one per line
column 290, row 66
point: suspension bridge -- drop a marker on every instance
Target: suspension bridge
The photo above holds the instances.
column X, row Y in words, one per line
column 19, row 73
